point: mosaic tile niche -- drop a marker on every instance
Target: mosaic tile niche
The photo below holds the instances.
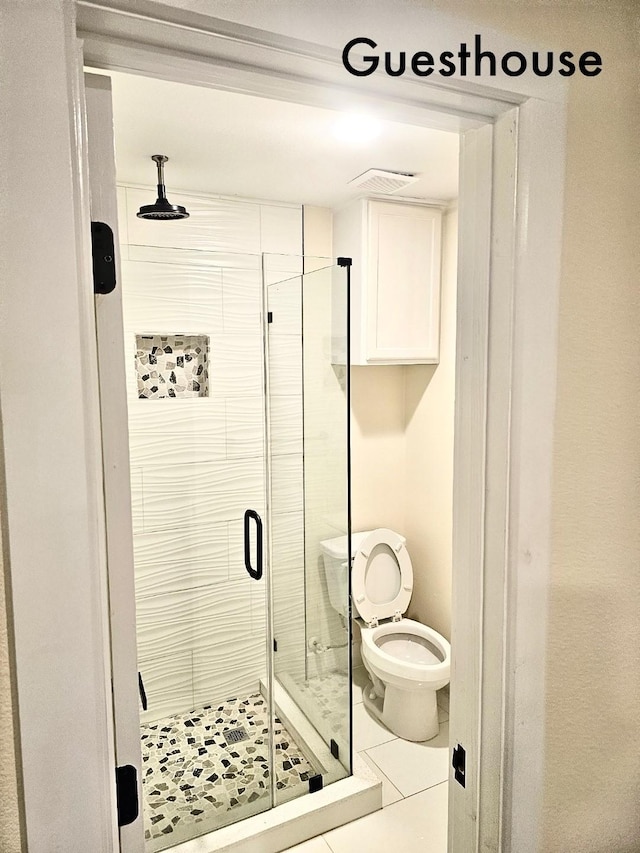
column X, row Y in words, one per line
column 172, row 366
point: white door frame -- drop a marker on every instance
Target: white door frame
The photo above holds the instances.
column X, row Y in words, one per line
column 114, row 424
column 510, row 236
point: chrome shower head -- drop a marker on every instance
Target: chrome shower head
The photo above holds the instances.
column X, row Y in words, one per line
column 162, row 209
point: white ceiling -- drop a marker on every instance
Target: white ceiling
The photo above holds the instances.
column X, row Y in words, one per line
column 234, row 144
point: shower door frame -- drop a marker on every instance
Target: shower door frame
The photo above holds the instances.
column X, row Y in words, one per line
column 506, row 351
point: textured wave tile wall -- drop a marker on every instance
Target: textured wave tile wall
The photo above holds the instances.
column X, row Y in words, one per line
column 168, row 684
column 286, row 482
column 173, row 297
column 194, row 618
column 162, row 432
column 242, row 301
column 201, row 494
column 286, row 424
column 197, row 464
column 172, row 560
column 236, row 366
column 284, row 300
column 285, row 365
column 214, row 224
column 244, row 419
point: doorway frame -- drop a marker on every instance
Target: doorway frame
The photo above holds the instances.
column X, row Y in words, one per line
column 512, row 173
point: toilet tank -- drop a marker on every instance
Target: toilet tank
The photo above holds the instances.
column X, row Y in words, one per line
column 336, row 568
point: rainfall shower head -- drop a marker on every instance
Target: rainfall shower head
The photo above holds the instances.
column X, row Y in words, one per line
column 162, row 209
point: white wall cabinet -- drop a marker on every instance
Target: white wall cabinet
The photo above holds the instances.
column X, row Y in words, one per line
column 395, row 280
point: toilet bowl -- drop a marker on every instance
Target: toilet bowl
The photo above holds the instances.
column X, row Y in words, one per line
column 406, row 660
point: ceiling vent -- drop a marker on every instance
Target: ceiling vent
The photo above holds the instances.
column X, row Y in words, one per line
column 381, row 181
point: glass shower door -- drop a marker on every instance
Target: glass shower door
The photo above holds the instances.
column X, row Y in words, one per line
column 194, row 356
column 308, row 503
column 238, row 404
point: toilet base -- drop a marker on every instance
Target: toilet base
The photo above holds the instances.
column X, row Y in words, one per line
column 409, row 714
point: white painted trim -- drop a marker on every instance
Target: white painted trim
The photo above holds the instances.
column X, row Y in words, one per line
column 537, row 258
column 205, row 51
column 440, row 204
column 92, row 414
column 474, row 236
column 114, row 428
column 58, row 611
column 51, row 441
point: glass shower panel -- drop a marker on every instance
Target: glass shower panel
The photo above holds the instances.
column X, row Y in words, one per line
column 307, row 460
column 238, row 415
column 193, row 334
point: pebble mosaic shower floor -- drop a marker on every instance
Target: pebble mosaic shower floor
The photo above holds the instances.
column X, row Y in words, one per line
column 328, row 695
column 190, row 772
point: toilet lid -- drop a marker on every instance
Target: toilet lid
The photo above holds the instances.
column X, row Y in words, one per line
column 381, row 576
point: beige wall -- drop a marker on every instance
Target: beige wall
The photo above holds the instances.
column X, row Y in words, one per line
column 592, row 781
column 428, row 485
column 377, row 448
column 591, row 778
column 402, row 454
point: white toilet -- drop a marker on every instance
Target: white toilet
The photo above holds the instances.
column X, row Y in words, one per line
column 406, row 660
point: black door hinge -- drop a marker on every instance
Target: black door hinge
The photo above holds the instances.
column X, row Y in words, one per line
column 275, row 645
column 104, row 258
column 269, row 316
column 127, row 794
column 459, row 763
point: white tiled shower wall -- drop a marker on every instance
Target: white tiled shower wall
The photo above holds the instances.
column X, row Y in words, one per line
column 198, row 463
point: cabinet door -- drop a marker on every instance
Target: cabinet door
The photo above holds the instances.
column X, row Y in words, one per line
column 403, row 287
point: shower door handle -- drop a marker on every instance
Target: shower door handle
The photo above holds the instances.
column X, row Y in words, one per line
column 256, row 573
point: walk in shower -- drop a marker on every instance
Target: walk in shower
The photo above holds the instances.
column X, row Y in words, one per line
column 238, row 430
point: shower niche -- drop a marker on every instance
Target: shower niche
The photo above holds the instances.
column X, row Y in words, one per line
column 172, row 366
column 242, row 713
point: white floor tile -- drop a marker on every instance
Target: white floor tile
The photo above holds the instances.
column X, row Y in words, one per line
column 390, row 794
column 412, row 767
column 368, row 732
column 313, row 845
column 418, row 823
column 359, row 679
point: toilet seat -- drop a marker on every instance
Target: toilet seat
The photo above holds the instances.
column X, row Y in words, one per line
column 381, row 577
column 406, row 671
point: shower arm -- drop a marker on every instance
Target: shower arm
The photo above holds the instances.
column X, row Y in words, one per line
column 160, row 160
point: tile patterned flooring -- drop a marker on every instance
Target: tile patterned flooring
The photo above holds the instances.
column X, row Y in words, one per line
column 190, row 773
column 414, row 789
